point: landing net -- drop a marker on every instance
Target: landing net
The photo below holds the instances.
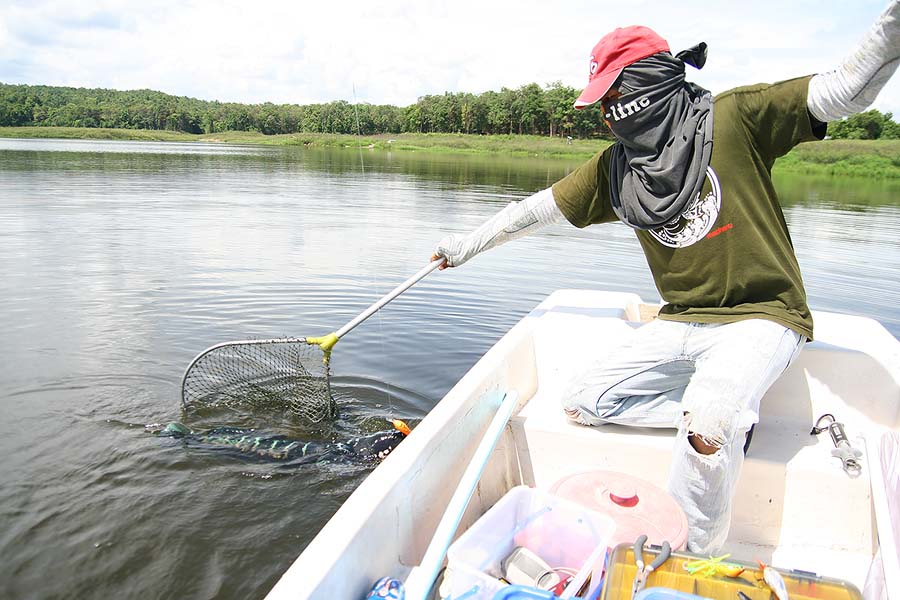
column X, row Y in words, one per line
column 287, row 373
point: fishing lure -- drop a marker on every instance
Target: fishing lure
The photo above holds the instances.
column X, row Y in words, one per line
column 774, row 580
column 712, row 566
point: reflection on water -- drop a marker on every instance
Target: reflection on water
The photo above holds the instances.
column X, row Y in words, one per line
column 141, row 149
column 848, row 193
column 123, row 260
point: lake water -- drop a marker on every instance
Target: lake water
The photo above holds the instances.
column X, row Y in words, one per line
column 123, row 260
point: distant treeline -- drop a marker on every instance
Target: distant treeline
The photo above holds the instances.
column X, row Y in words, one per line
column 869, row 125
column 529, row 109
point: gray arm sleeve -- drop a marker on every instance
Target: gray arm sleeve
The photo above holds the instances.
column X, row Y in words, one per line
column 517, row 220
column 855, row 84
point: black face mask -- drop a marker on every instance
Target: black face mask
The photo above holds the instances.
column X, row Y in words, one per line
column 664, row 131
column 646, row 103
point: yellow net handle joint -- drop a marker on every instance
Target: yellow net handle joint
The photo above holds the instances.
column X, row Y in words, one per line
column 326, row 342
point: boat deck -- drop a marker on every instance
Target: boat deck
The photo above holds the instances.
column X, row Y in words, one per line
column 794, row 506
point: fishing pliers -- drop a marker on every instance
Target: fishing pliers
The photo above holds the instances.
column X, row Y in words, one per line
column 643, row 571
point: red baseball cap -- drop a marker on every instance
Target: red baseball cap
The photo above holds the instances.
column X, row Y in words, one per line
column 614, row 52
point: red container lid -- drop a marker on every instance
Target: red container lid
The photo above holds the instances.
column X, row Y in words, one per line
column 637, row 506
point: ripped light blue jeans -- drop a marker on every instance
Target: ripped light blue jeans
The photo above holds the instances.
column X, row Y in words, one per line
column 704, row 379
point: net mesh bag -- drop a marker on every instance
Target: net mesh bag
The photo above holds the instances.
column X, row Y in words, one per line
column 286, row 373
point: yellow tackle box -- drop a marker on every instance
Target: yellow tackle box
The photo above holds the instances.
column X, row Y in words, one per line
column 801, row 585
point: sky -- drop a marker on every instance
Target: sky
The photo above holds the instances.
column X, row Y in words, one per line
column 393, row 52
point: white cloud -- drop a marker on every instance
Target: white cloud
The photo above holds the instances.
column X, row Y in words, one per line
column 392, row 53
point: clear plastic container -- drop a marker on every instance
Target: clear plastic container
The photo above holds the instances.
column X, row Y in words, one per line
column 564, row 534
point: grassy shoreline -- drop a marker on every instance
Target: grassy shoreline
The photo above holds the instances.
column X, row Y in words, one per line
column 879, row 159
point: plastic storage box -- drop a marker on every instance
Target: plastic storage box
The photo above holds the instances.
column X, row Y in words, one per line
column 564, row 534
column 672, row 575
column 658, row 593
column 520, row 592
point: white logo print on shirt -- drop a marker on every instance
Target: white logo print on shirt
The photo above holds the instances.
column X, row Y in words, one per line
column 697, row 219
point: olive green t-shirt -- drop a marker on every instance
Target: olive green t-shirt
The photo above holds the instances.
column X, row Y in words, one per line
column 730, row 256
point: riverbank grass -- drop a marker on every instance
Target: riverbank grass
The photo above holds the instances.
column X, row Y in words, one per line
column 86, row 133
column 877, row 159
column 857, row 158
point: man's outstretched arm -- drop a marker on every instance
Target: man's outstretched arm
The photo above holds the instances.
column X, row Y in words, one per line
column 516, row 220
column 854, row 85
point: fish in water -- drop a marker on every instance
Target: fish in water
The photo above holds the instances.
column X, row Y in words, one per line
column 257, row 443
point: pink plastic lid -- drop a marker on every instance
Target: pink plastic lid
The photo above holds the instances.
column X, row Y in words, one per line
column 637, row 506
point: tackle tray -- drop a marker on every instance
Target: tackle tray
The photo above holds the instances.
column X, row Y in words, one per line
column 801, row 585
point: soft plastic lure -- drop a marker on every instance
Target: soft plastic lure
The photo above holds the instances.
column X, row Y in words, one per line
column 774, row 580
column 712, row 566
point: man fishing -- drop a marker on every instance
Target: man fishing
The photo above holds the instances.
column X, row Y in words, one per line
column 691, row 175
column 253, row 443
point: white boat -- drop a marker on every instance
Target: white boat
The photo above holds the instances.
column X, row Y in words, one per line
column 795, row 506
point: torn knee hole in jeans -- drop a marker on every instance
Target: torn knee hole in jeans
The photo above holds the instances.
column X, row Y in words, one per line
column 702, row 446
column 709, row 427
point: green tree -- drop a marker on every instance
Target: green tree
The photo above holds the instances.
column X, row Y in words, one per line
column 529, row 108
column 866, row 125
column 559, row 106
column 891, row 130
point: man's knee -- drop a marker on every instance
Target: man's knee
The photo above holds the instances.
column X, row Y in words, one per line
column 710, row 444
column 702, row 444
column 709, row 429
